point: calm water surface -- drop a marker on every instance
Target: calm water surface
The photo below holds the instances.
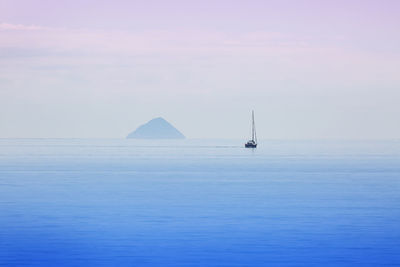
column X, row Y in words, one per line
column 76, row 202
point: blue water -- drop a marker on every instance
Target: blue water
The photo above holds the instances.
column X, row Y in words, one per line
column 73, row 202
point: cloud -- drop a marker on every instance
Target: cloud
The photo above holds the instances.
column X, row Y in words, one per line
column 19, row 27
column 182, row 42
column 300, row 54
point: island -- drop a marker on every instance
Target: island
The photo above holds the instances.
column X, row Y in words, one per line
column 157, row 128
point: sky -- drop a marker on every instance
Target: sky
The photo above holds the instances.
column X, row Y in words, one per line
column 310, row 69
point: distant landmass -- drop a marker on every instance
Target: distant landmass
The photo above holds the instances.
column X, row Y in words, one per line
column 157, row 128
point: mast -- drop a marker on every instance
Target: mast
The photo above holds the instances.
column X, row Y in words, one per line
column 253, row 128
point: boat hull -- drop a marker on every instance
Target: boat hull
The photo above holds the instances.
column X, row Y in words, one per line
column 250, row 145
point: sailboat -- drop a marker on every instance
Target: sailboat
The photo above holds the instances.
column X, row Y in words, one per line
column 253, row 142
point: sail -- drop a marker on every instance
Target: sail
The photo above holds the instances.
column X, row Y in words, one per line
column 253, row 128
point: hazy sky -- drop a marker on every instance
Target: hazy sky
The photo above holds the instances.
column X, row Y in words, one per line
column 309, row 69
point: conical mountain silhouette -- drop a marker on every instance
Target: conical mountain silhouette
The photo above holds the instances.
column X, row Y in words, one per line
column 157, row 128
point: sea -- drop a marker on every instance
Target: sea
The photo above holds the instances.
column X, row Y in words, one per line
column 120, row 202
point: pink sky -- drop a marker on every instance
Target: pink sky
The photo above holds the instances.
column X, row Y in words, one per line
column 310, row 69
